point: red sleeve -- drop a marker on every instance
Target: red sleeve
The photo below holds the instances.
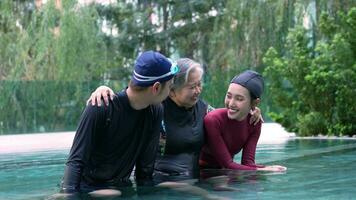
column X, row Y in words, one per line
column 249, row 150
column 217, row 146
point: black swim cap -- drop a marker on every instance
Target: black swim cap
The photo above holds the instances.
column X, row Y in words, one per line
column 252, row 81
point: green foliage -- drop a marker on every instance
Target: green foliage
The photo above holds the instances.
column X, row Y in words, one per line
column 215, row 86
column 59, row 55
column 48, row 64
column 79, row 45
column 317, row 84
column 38, row 106
column 312, row 123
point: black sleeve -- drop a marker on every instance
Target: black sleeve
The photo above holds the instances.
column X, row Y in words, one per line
column 81, row 148
column 147, row 157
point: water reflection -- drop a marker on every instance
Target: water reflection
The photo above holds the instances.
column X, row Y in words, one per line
column 317, row 169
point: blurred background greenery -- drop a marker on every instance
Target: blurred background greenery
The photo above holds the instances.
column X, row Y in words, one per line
column 54, row 53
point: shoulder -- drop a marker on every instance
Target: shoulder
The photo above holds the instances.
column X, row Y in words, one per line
column 121, row 96
column 95, row 113
column 120, row 100
column 219, row 112
column 202, row 106
column 201, row 102
column 157, row 110
column 205, row 106
column 216, row 115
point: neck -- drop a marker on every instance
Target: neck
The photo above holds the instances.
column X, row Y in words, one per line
column 138, row 100
column 240, row 118
column 178, row 104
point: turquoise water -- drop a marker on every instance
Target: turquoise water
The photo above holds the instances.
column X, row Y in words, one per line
column 317, row 169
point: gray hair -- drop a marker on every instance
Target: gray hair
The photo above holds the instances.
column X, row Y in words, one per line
column 186, row 66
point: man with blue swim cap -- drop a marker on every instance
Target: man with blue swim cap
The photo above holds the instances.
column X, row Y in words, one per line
column 111, row 140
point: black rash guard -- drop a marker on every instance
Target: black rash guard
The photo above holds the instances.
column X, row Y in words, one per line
column 109, row 142
column 182, row 137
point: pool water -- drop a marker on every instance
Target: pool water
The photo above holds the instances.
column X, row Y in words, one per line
column 317, row 169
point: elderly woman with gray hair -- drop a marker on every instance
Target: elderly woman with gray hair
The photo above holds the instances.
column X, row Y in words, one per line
column 182, row 130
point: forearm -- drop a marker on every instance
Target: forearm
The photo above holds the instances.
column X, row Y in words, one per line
column 235, row 166
column 71, row 179
column 147, row 158
column 143, row 175
column 251, row 162
column 145, row 181
column 249, row 149
column 257, row 166
column 145, row 165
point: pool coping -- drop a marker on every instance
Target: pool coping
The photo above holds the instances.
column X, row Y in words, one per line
column 271, row 133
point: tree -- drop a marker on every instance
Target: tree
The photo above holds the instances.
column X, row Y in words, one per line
column 46, row 63
column 317, row 83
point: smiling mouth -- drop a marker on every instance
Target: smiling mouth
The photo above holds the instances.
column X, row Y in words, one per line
column 233, row 111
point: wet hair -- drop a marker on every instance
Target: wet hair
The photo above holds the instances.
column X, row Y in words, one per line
column 186, row 67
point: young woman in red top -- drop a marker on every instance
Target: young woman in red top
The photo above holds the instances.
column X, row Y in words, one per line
column 228, row 130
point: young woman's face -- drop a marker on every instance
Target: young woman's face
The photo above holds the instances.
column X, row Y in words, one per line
column 188, row 95
column 238, row 102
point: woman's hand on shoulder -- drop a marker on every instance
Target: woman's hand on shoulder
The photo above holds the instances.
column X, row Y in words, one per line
column 101, row 92
column 256, row 116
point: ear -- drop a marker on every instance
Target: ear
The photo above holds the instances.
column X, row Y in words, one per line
column 172, row 94
column 255, row 102
column 156, row 87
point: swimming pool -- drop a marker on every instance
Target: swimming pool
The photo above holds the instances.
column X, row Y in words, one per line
column 317, row 169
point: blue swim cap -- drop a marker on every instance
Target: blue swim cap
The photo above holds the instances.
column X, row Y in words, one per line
column 151, row 67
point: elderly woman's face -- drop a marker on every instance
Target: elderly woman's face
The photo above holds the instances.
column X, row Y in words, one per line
column 188, row 95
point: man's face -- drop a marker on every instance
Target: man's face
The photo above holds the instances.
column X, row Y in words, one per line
column 238, row 102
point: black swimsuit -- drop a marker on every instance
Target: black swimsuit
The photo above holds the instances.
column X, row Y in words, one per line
column 182, row 137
